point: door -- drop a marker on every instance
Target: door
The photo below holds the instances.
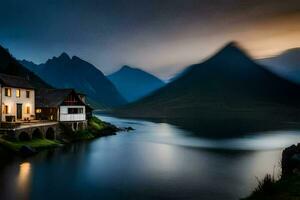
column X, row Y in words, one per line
column 19, row 111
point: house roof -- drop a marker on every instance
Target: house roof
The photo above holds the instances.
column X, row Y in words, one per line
column 15, row 81
column 51, row 97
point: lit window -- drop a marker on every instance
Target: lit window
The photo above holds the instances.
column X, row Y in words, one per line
column 27, row 94
column 18, row 93
column 38, row 110
column 5, row 109
column 27, row 109
column 8, row 92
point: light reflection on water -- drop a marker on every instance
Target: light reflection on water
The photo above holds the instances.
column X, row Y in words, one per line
column 169, row 134
column 24, row 180
column 155, row 161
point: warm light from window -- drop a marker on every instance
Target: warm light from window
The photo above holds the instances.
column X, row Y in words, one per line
column 38, row 110
column 27, row 109
column 5, row 109
column 7, row 92
column 18, row 93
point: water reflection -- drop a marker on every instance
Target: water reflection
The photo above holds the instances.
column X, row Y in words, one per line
column 156, row 161
column 172, row 135
column 24, row 180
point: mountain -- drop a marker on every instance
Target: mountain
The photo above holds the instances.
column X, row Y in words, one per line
column 9, row 65
column 286, row 63
column 66, row 72
column 134, row 83
column 228, row 91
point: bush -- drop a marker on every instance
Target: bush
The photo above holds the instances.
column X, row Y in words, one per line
column 266, row 185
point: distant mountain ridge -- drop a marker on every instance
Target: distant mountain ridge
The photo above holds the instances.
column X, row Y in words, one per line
column 134, row 83
column 67, row 72
column 9, row 65
column 229, row 80
column 229, row 88
column 287, row 63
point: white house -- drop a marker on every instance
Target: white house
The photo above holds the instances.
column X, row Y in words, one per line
column 17, row 99
column 63, row 105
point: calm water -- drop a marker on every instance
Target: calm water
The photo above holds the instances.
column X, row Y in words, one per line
column 156, row 161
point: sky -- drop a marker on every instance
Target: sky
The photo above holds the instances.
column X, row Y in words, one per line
column 159, row 36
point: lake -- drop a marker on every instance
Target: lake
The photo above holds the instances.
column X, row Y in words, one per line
column 155, row 161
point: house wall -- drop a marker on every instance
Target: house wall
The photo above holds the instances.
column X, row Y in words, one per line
column 64, row 116
column 12, row 102
column 50, row 114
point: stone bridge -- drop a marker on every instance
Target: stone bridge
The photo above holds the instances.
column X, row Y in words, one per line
column 48, row 130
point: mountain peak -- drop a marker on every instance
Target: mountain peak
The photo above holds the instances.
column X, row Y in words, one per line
column 230, row 50
column 126, row 67
column 64, row 56
column 134, row 83
column 230, row 57
column 66, row 72
column 232, row 44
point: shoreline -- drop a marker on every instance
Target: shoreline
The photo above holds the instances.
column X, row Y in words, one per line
column 96, row 129
column 287, row 185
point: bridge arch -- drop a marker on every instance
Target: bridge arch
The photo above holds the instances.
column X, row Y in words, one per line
column 37, row 134
column 50, row 133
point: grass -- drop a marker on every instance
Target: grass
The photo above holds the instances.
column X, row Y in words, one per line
column 287, row 188
column 96, row 128
column 96, row 124
column 35, row 143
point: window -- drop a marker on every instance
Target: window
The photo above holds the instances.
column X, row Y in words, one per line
column 5, row 109
column 27, row 94
column 75, row 110
column 27, row 109
column 38, row 110
column 18, row 93
column 7, row 92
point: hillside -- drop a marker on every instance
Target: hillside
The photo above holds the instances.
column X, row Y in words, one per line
column 229, row 88
column 66, row 72
column 9, row 65
column 286, row 63
column 134, row 83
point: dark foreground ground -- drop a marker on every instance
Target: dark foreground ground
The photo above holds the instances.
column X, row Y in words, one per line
column 287, row 188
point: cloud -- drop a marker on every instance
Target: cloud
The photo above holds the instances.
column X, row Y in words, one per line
column 160, row 36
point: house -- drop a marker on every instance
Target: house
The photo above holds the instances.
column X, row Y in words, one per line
column 63, row 105
column 17, row 99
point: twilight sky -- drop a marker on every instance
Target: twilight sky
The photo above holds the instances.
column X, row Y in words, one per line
column 160, row 36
